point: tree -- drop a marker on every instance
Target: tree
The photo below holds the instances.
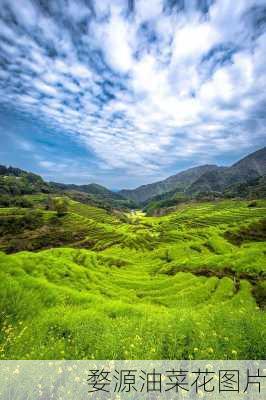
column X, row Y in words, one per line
column 60, row 205
column 49, row 203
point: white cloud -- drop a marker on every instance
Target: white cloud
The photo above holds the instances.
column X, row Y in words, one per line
column 146, row 10
column 193, row 40
column 47, row 164
column 45, row 89
column 26, row 13
column 116, row 38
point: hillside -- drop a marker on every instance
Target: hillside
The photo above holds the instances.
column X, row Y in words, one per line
column 95, row 280
column 93, row 194
column 253, row 162
column 17, row 182
column 190, row 285
column 206, row 178
column 191, row 183
column 91, row 188
column 250, row 167
column 252, row 189
column 179, row 182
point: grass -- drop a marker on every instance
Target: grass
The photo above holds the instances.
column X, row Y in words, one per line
column 171, row 287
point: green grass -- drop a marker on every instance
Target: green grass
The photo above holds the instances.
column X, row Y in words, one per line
column 171, row 287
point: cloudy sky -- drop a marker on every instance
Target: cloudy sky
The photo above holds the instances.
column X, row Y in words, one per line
column 125, row 92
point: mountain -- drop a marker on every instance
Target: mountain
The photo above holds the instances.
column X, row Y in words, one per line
column 205, row 180
column 92, row 188
column 179, row 182
column 255, row 161
column 252, row 189
column 93, row 194
column 248, row 168
column 202, row 179
column 15, row 181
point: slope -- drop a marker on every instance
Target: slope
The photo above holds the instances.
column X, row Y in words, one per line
column 248, row 168
column 178, row 182
column 202, row 179
column 191, row 291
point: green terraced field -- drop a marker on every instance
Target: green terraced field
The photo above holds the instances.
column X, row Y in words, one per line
column 188, row 285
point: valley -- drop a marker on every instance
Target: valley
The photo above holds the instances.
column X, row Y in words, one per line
column 92, row 284
column 171, row 270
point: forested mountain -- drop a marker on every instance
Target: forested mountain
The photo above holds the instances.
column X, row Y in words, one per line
column 255, row 188
column 15, row 181
column 93, row 194
column 179, row 182
column 239, row 180
column 203, row 179
column 92, row 188
column 248, row 168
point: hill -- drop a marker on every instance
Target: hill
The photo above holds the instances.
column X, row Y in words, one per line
column 93, row 194
column 91, row 188
column 248, row 168
column 17, row 182
column 197, row 182
column 252, row 189
column 189, row 285
column 95, row 283
column 202, row 179
column 179, row 182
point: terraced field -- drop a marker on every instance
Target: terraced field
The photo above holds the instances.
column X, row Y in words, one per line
column 187, row 285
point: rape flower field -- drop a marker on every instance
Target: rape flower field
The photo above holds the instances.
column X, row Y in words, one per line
column 188, row 285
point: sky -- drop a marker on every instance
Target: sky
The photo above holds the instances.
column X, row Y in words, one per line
column 127, row 92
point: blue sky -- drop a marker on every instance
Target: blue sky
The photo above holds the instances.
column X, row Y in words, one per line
column 126, row 92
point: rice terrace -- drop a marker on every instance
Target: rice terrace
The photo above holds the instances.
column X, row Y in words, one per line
column 186, row 285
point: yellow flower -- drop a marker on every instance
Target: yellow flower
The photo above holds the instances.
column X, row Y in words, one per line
column 16, row 371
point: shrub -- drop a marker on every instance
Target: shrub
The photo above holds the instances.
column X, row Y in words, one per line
column 60, row 205
column 253, row 204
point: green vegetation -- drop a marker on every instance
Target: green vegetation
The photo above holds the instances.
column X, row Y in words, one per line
column 16, row 184
column 245, row 179
column 190, row 284
column 252, row 189
column 60, row 205
column 164, row 202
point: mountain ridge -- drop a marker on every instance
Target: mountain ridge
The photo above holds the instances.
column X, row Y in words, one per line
column 206, row 178
column 179, row 181
column 190, row 182
column 17, row 182
column 247, row 168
